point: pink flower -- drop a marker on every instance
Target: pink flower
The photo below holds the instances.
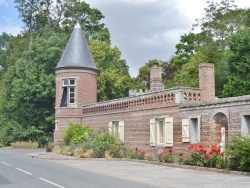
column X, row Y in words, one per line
column 160, row 151
column 170, row 150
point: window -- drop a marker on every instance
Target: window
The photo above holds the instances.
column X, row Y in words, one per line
column 69, row 92
column 194, row 130
column 245, row 125
column 161, row 132
column 117, row 127
column 191, row 130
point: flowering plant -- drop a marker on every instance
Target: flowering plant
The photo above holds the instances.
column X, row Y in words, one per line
column 166, row 157
column 137, row 154
column 201, row 156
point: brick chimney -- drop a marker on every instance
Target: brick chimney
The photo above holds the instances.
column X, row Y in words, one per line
column 206, row 81
column 156, row 78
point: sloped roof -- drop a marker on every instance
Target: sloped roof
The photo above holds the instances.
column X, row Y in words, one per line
column 77, row 53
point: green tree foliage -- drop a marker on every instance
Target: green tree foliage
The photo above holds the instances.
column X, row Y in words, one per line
column 113, row 80
column 33, row 88
column 239, row 65
column 4, row 43
column 210, row 44
column 90, row 19
column 27, row 10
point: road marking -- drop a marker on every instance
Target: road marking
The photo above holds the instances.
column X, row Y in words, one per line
column 5, row 163
column 51, row 183
column 24, row 171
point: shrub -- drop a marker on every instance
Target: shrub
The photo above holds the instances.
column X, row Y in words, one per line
column 77, row 134
column 43, row 141
column 238, row 153
column 24, row 145
column 13, row 132
column 108, row 142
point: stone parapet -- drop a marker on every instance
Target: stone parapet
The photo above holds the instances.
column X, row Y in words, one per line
column 156, row 99
column 217, row 102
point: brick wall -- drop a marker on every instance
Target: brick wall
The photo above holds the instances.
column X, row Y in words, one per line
column 206, row 81
column 86, row 93
column 156, row 79
column 137, row 120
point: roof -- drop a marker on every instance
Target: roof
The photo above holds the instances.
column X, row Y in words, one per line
column 77, row 53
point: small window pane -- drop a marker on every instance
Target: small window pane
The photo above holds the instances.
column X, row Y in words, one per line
column 65, row 82
column 72, row 95
column 72, row 82
column 72, row 100
column 161, row 132
column 72, row 89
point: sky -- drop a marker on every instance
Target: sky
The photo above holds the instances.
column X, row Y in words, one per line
column 142, row 29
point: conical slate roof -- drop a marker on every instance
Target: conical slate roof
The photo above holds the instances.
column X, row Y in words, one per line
column 77, row 53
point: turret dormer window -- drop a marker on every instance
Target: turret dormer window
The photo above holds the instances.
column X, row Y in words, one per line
column 68, row 92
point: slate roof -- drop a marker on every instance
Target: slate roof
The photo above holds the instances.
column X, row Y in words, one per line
column 77, row 53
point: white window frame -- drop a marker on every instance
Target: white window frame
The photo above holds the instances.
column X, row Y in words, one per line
column 161, row 131
column 71, row 96
column 117, row 127
column 245, row 124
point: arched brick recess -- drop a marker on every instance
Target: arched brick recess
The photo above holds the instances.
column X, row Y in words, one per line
column 219, row 120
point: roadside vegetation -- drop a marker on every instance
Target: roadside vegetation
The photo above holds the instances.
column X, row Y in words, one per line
column 83, row 142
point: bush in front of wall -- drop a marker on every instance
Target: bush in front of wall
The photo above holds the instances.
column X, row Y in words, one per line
column 106, row 142
column 238, row 153
column 77, row 134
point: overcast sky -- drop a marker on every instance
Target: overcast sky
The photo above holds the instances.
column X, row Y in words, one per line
column 141, row 29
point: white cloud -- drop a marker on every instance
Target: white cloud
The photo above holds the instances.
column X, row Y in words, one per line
column 9, row 27
column 14, row 30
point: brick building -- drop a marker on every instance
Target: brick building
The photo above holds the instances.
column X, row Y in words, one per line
column 157, row 118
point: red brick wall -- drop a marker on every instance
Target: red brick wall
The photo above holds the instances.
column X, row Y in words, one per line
column 137, row 128
column 86, row 93
column 86, row 86
column 136, row 124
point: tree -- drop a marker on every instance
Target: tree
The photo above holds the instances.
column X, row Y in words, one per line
column 113, row 80
column 32, row 89
column 239, row 65
column 220, row 22
column 27, row 10
column 4, row 43
column 89, row 19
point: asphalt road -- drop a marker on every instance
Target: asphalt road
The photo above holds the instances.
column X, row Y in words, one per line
column 16, row 170
column 19, row 171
